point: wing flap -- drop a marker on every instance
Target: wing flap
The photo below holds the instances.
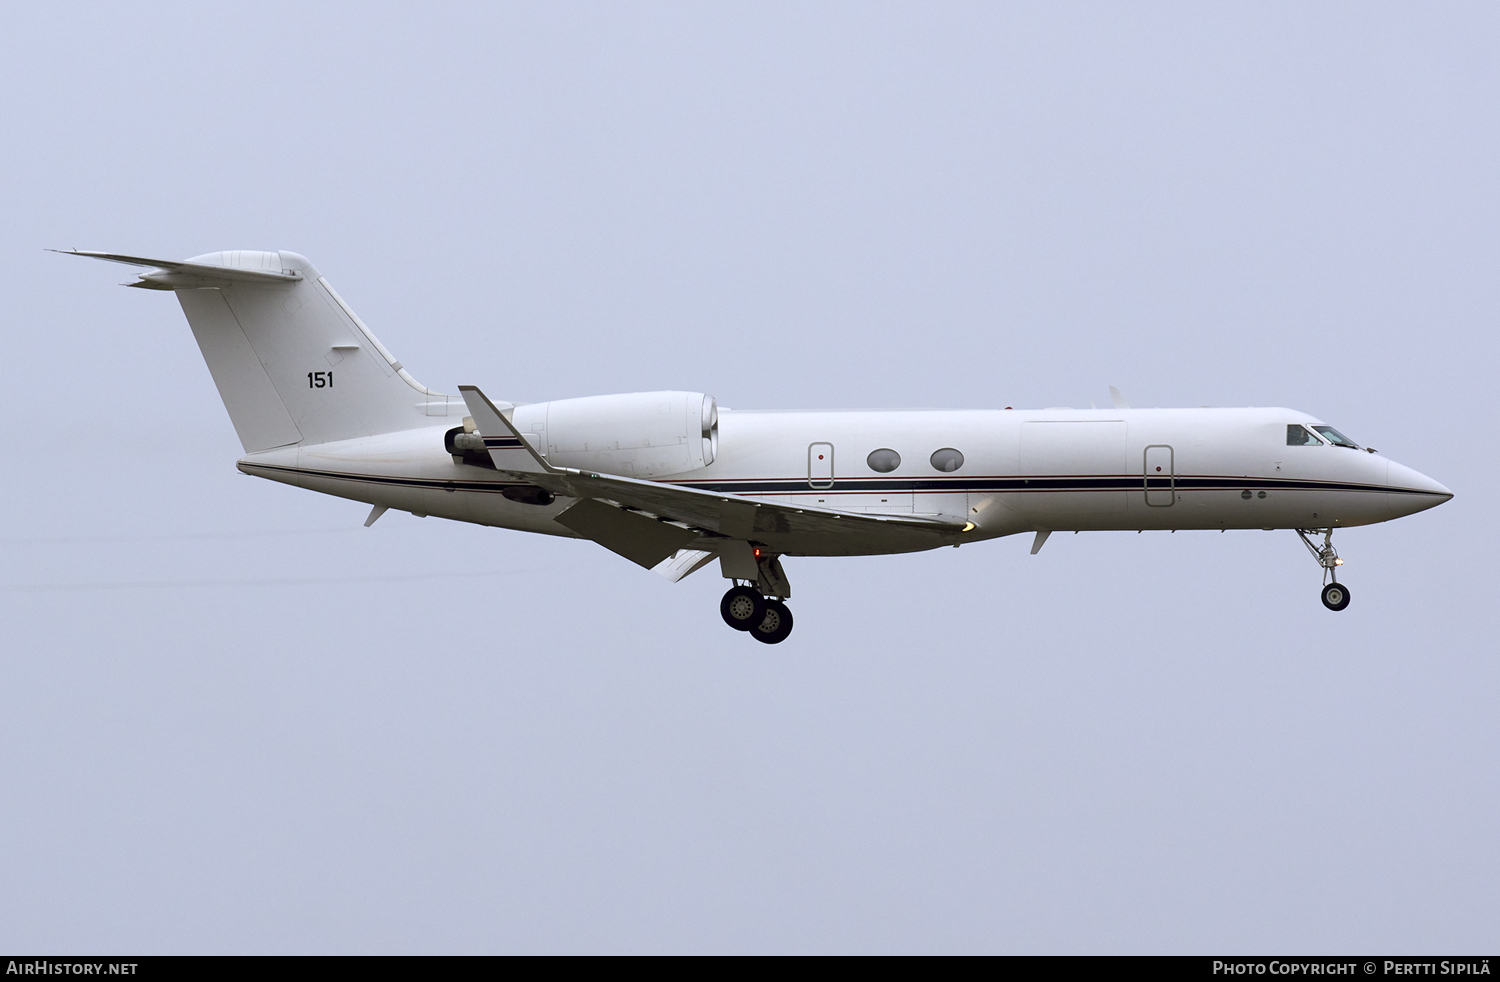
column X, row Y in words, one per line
column 683, row 563
column 644, row 541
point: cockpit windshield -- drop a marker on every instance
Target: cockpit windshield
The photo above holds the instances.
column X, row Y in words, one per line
column 1336, row 438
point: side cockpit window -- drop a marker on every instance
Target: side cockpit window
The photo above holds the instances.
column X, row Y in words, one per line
column 1297, row 436
column 1336, row 438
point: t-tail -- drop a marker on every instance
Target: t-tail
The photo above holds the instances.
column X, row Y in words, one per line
column 293, row 363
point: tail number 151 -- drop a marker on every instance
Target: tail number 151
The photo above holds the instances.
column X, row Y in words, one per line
column 320, row 380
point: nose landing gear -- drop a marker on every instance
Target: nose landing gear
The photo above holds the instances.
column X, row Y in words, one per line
column 1335, row 594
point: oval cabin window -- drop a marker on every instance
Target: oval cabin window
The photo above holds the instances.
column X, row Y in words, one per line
column 947, row 460
column 883, row 460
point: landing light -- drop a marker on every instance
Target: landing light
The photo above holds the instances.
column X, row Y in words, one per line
column 970, row 526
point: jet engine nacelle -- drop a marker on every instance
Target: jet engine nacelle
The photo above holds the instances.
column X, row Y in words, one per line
column 637, row 434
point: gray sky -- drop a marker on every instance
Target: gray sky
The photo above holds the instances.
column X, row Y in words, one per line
column 233, row 720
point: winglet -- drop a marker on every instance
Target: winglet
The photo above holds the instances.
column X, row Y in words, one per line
column 508, row 448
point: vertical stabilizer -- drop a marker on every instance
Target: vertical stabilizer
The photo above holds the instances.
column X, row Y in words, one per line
column 257, row 411
column 292, row 362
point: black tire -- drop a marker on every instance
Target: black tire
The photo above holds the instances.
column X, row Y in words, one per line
column 742, row 608
column 1335, row 596
column 775, row 626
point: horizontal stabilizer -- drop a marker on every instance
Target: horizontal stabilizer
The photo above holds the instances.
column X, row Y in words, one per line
column 180, row 274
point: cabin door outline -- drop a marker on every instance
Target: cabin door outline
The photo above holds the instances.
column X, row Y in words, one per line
column 1159, row 465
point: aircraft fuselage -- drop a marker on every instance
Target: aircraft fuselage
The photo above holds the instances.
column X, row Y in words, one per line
column 1021, row 470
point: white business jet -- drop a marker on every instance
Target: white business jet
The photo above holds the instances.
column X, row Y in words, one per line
column 672, row 482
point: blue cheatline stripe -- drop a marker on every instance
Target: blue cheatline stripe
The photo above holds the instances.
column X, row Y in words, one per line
column 926, row 486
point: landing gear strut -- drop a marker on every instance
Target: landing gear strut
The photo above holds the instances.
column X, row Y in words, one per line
column 756, row 603
column 1335, row 594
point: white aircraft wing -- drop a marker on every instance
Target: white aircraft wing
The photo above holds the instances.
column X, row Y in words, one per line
column 783, row 528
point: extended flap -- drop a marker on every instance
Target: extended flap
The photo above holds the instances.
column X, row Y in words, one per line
column 644, row 541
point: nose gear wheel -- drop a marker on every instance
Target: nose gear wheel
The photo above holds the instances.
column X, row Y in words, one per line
column 1335, row 596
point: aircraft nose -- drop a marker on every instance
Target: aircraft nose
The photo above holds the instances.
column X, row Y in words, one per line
column 1412, row 491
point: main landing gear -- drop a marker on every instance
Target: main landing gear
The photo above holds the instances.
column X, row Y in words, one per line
column 1335, row 594
column 765, row 619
